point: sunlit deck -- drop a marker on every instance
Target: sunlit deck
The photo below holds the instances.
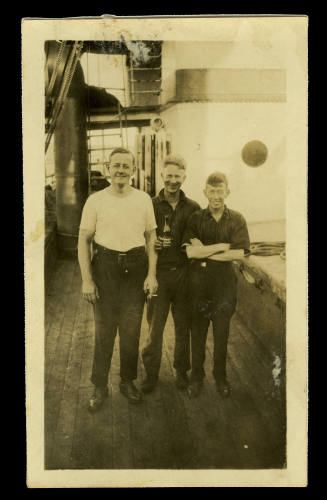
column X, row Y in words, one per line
column 168, row 430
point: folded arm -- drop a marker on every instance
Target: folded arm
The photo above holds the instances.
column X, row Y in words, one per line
column 219, row 252
column 199, row 251
column 228, row 256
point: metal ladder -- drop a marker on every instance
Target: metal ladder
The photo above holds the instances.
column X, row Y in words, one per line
column 138, row 79
column 103, row 134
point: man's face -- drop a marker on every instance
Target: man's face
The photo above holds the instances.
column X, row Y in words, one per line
column 121, row 168
column 173, row 177
column 216, row 195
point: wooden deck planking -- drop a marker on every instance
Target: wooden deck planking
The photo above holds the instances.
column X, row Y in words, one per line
column 141, row 439
column 122, row 450
column 57, row 290
column 93, row 435
column 49, row 290
column 92, row 440
column 87, row 356
column 88, row 442
column 168, row 430
column 159, row 431
column 58, row 366
column 214, row 446
column 173, row 445
column 55, row 305
column 256, row 444
column 63, row 442
column 182, row 441
column 156, row 423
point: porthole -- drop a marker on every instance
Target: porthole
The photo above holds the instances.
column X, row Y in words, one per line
column 254, row 153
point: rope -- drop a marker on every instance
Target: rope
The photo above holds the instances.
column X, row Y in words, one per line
column 58, row 104
column 54, row 109
column 71, row 66
column 55, row 70
column 267, row 248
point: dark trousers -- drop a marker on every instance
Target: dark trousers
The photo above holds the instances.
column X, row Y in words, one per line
column 120, row 282
column 213, row 298
column 172, row 291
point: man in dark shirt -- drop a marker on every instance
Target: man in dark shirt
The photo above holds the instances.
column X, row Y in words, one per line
column 214, row 238
column 172, row 210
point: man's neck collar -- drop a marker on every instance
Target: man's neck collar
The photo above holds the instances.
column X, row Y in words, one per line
column 165, row 196
column 172, row 197
column 224, row 212
column 116, row 191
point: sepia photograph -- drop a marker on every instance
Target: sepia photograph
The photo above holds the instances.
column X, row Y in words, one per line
column 166, row 272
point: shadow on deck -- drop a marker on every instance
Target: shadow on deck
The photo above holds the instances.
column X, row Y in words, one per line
column 168, row 431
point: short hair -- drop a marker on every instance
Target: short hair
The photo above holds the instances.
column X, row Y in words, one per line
column 120, row 150
column 175, row 160
column 217, row 178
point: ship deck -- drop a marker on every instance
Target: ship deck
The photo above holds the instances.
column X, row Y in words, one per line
column 169, row 430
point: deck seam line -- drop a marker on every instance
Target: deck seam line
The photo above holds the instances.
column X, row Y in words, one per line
column 178, row 395
column 79, row 387
column 79, row 301
column 58, row 336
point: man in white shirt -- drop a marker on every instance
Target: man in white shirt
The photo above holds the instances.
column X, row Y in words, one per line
column 120, row 221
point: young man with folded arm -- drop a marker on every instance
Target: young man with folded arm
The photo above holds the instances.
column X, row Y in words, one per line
column 121, row 223
column 214, row 238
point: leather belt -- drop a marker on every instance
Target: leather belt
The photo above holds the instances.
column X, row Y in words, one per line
column 116, row 254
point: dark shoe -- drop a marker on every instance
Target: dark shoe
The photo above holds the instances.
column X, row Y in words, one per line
column 195, row 388
column 182, row 381
column 97, row 398
column 129, row 390
column 223, row 388
column 148, row 385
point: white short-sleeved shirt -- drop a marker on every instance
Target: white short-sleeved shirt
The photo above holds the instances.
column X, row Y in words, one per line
column 118, row 222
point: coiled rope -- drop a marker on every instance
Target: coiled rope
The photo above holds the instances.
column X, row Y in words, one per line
column 268, row 248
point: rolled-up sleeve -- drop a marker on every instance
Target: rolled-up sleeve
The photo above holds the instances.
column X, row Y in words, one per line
column 240, row 239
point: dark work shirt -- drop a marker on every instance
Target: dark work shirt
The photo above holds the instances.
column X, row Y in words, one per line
column 173, row 256
column 212, row 284
column 231, row 228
